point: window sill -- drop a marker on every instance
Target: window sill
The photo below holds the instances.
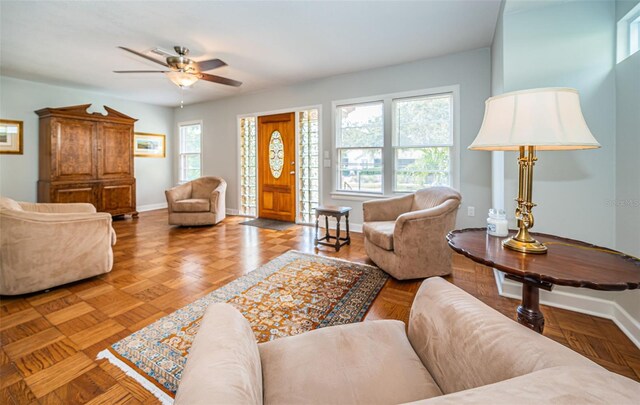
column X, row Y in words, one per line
column 345, row 195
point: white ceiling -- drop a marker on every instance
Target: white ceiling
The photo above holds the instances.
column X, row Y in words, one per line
column 265, row 43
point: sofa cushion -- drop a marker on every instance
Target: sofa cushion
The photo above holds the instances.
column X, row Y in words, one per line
column 364, row 363
column 380, row 233
column 192, row 205
column 223, row 366
column 9, row 204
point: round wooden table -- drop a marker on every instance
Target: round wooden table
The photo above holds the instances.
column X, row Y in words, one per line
column 568, row 262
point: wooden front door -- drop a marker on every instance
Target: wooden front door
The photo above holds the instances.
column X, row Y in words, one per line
column 276, row 167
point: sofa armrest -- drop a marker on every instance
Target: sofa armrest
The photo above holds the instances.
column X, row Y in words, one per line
column 557, row 385
column 387, row 209
column 223, row 366
column 177, row 193
column 466, row 344
column 58, row 208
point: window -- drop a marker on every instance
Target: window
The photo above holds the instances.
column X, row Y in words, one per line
column 360, row 139
column 628, row 38
column 422, row 141
column 309, row 161
column 190, row 151
column 396, row 143
column 248, row 171
column 634, row 36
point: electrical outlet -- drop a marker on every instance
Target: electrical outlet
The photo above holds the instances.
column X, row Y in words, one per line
column 471, row 211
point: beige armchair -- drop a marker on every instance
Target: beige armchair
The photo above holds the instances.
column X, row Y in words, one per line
column 46, row 245
column 405, row 236
column 198, row 202
column 457, row 351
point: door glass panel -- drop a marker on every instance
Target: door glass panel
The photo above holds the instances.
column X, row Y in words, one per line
column 276, row 154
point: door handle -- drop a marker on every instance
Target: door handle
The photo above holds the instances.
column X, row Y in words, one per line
column 292, row 172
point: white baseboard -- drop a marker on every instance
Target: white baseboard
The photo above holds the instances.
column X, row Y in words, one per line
column 151, row 207
column 576, row 302
column 231, row 211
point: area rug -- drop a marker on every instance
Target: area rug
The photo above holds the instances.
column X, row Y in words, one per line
column 294, row 293
column 269, row 224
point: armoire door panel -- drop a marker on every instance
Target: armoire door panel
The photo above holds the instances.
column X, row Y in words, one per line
column 77, row 194
column 117, row 197
column 73, row 147
column 115, row 143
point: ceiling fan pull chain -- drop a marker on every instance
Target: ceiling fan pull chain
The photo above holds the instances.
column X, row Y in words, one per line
column 181, row 96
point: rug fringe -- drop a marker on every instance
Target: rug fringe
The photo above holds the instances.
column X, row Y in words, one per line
column 146, row 384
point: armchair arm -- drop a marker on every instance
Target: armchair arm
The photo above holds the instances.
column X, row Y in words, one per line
column 388, row 209
column 180, row 192
column 58, row 208
column 557, row 385
column 224, row 364
column 217, row 197
column 466, row 344
column 426, row 227
column 35, row 246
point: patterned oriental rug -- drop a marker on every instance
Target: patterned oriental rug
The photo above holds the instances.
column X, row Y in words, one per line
column 293, row 293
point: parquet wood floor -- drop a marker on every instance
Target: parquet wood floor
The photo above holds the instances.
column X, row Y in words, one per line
column 49, row 340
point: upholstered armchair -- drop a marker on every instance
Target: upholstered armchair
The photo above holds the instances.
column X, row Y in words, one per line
column 457, row 350
column 406, row 236
column 198, row 202
column 46, row 245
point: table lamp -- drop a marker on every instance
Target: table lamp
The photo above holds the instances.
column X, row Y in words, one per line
column 526, row 121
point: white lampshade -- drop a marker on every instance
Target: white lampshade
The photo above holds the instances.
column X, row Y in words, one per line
column 182, row 79
column 548, row 119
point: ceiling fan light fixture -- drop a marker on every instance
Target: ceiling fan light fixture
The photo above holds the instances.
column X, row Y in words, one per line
column 182, row 79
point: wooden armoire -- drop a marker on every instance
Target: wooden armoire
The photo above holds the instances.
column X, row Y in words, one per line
column 87, row 157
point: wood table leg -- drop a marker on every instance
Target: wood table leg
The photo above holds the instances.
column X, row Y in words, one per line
column 338, row 234
column 529, row 313
column 316, row 238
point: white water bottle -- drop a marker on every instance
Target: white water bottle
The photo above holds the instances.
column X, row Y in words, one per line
column 497, row 224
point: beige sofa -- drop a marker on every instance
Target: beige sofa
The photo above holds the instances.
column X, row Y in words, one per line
column 406, row 236
column 457, row 351
column 46, row 245
column 198, row 202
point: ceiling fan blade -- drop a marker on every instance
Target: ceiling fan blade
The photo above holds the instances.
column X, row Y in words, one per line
column 210, row 64
column 141, row 71
column 142, row 55
column 219, row 79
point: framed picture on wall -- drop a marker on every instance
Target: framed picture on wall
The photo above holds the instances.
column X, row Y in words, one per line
column 11, row 137
column 149, row 145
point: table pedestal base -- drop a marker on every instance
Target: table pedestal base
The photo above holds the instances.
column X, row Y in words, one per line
column 529, row 313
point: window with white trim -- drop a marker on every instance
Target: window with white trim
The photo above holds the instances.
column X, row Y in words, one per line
column 396, row 143
column 359, row 141
column 422, row 142
column 190, row 142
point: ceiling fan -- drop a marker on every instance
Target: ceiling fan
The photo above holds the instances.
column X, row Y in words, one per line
column 183, row 71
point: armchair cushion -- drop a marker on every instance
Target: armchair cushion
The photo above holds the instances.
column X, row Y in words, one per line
column 380, row 233
column 365, row 363
column 9, row 204
column 192, row 205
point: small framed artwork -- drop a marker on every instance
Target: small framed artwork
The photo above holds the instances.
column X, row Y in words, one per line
column 149, row 145
column 11, row 137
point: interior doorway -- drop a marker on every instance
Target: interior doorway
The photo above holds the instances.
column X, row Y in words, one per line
column 277, row 167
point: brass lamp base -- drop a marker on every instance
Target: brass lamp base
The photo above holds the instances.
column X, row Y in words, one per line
column 522, row 241
column 532, row 246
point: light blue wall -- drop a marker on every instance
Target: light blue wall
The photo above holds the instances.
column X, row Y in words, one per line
column 568, row 44
column 627, row 202
column 19, row 173
column 470, row 70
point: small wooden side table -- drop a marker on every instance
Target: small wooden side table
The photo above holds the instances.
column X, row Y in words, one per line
column 567, row 262
column 337, row 213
